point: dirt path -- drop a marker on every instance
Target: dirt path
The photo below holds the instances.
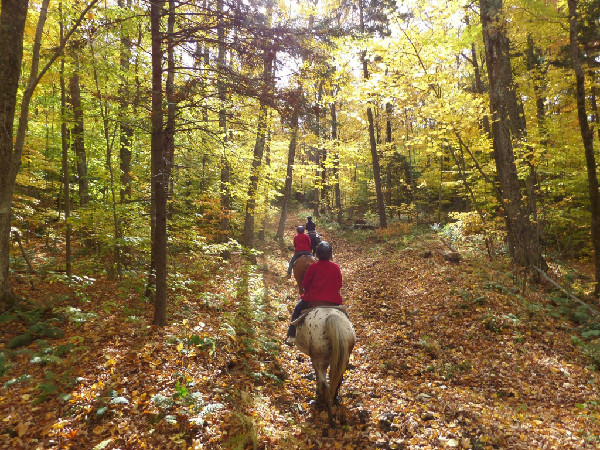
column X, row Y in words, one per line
column 449, row 355
column 446, row 358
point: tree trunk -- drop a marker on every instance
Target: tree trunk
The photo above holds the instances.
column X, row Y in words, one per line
column 77, row 136
column 12, row 25
column 372, row 140
column 524, row 246
column 125, row 128
column 287, row 191
column 64, row 135
column 222, row 96
column 159, row 237
column 587, row 137
column 388, row 140
column 336, row 163
column 479, row 85
column 267, row 188
column 259, row 147
column 318, row 162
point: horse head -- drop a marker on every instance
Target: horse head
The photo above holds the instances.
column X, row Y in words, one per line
column 300, row 267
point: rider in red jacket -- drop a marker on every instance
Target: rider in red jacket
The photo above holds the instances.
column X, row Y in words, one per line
column 301, row 247
column 322, row 283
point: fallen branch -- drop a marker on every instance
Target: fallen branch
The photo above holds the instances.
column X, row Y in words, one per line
column 572, row 296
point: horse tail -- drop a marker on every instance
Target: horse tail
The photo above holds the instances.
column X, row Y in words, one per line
column 340, row 352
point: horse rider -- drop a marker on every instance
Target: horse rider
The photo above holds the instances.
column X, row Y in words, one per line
column 302, row 246
column 322, row 283
column 311, row 229
column 310, row 225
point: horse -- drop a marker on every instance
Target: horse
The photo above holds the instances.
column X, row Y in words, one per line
column 327, row 336
column 300, row 266
column 315, row 239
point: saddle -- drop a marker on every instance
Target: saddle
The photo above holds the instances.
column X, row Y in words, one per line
column 300, row 257
column 318, row 304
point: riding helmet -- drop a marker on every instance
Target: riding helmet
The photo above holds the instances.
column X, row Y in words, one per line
column 309, row 218
column 300, row 229
column 324, row 251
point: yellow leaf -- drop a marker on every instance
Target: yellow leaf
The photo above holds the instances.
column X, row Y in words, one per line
column 179, row 346
column 22, row 428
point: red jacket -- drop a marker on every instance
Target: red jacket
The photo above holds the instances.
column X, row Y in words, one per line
column 322, row 282
column 302, row 243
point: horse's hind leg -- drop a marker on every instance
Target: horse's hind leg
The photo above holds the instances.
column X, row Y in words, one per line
column 323, row 388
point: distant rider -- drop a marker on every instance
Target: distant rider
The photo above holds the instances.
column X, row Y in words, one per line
column 322, row 283
column 301, row 247
column 311, row 229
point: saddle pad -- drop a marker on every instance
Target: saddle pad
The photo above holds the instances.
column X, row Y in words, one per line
column 300, row 319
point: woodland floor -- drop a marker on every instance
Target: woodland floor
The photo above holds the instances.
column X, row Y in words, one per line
column 449, row 355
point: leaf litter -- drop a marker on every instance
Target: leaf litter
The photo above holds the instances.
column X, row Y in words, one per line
column 449, row 355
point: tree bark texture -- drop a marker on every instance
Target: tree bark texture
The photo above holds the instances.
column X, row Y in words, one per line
column 64, row 135
column 222, row 96
column 287, row 191
column 77, row 140
column 159, row 237
column 125, row 128
column 259, row 148
column 336, row 163
column 12, row 25
column 372, row 139
column 587, row 137
column 523, row 243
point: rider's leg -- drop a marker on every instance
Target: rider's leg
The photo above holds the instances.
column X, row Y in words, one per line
column 300, row 306
column 291, row 264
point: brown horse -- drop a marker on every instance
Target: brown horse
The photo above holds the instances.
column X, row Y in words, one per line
column 300, row 266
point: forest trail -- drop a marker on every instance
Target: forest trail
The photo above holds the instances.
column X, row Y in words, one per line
column 448, row 355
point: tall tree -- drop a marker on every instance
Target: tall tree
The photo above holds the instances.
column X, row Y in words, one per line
column 12, row 25
column 125, row 127
column 158, row 156
column 64, row 139
column 372, row 139
column 336, row 162
column 77, row 138
column 524, row 245
column 259, row 145
column 294, row 102
column 222, row 97
column 587, row 137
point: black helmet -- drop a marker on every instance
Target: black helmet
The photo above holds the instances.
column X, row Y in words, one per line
column 300, row 229
column 309, row 218
column 324, row 251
